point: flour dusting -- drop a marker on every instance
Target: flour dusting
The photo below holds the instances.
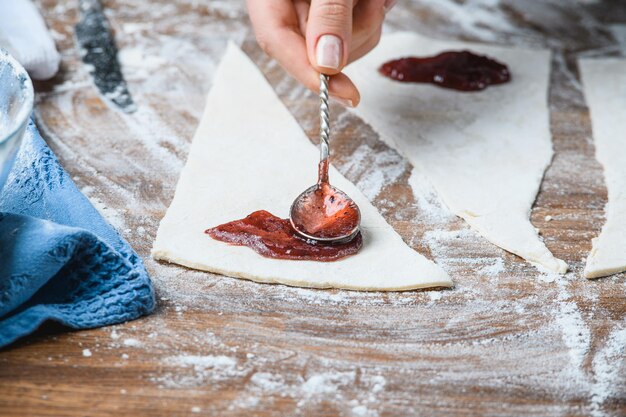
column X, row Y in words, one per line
column 189, row 371
column 608, row 367
column 383, row 168
column 504, row 332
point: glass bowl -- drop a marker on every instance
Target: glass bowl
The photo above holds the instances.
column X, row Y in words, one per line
column 16, row 105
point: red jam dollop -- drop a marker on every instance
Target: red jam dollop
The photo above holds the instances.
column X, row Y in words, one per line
column 458, row 70
column 273, row 237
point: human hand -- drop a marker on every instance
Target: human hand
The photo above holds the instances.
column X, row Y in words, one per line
column 311, row 36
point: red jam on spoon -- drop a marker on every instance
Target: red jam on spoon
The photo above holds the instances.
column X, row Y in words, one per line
column 323, row 212
column 458, row 70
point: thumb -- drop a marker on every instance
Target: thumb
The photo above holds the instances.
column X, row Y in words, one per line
column 328, row 34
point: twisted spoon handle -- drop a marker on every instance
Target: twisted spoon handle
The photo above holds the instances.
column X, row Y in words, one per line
column 324, row 130
column 324, row 118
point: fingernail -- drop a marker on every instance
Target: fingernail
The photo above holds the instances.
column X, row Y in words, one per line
column 389, row 5
column 329, row 51
column 343, row 101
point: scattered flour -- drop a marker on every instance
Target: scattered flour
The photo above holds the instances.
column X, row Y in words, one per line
column 112, row 216
column 383, row 168
column 575, row 333
column 327, row 383
column 359, row 410
column 196, row 370
column 435, row 295
column 493, row 270
column 428, row 201
column 268, row 382
column 132, row 342
column 607, row 367
column 203, row 362
column 86, row 353
column 480, row 18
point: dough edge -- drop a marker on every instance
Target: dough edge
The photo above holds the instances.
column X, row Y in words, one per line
column 164, row 255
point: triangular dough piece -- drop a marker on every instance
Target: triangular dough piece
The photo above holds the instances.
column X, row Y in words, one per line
column 604, row 83
column 249, row 153
column 485, row 152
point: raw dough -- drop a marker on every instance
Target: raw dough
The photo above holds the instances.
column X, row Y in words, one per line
column 485, row 152
column 249, row 153
column 604, row 81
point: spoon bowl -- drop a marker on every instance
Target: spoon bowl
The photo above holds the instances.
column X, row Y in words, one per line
column 326, row 214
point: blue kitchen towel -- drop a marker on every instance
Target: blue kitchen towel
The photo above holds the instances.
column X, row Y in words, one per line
column 59, row 259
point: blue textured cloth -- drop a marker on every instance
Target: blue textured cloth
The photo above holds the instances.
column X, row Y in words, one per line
column 59, row 259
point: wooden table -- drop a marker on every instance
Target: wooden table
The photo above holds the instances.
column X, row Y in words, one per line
column 505, row 341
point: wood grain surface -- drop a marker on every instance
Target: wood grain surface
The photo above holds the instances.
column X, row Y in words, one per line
column 505, row 341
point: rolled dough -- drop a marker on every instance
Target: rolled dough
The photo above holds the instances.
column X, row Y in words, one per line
column 604, row 82
column 249, row 153
column 485, row 152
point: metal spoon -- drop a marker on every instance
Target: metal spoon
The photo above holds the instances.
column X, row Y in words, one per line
column 322, row 212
